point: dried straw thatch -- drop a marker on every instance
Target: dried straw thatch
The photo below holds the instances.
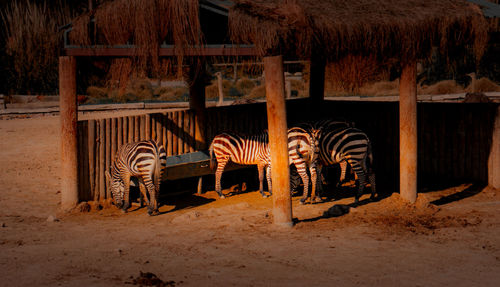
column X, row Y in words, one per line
column 385, row 32
column 387, row 29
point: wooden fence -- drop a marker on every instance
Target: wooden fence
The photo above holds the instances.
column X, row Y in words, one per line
column 454, row 139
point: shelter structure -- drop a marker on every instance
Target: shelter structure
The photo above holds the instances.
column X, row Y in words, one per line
column 396, row 33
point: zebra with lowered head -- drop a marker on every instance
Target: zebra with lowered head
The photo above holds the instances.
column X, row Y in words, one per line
column 144, row 160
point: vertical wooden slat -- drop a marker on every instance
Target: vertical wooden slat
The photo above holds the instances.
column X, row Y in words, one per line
column 80, row 161
column 97, row 195
column 164, row 121
column 180, row 122
column 175, row 133
column 147, row 126
column 125, row 130
column 187, row 134
column 91, row 145
column 170, row 140
column 153, row 127
column 113, row 138
column 119, row 133
column 107, row 151
column 131, row 124
column 158, row 124
column 137, row 129
column 142, row 130
column 102, row 143
column 85, row 150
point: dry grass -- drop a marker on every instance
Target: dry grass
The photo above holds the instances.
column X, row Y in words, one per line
column 245, row 85
column 441, row 88
column 483, row 85
column 258, row 92
column 382, row 88
column 33, row 45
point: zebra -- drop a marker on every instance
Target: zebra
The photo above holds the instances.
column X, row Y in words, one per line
column 241, row 149
column 303, row 150
column 144, row 160
column 249, row 150
column 352, row 146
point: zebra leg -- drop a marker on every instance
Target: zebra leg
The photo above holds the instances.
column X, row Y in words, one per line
column 144, row 195
column 314, row 197
column 260, row 168
column 221, row 163
column 301, row 169
column 371, row 177
column 343, row 168
column 126, row 193
column 359, row 169
column 153, row 204
column 269, row 183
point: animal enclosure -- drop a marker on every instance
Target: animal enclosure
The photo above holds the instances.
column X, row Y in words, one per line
column 454, row 139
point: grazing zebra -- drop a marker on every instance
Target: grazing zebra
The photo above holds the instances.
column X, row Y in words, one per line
column 145, row 160
column 352, row 146
column 241, row 149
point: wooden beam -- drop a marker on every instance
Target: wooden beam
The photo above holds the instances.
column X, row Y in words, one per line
column 278, row 140
column 69, row 136
column 494, row 157
column 408, row 132
column 163, row 52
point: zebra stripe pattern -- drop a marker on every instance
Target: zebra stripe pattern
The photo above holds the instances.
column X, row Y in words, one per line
column 144, row 160
column 352, row 146
column 241, row 149
column 303, row 150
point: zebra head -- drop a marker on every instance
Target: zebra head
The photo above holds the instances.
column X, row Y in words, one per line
column 117, row 188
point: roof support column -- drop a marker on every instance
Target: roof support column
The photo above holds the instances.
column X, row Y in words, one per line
column 408, row 132
column 317, row 80
column 494, row 157
column 278, row 140
column 69, row 147
column 197, row 103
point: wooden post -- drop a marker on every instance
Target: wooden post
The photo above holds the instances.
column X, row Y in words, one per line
column 220, row 88
column 278, row 140
column 69, row 134
column 197, row 104
column 408, row 132
column 317, row 80
column 494, row 157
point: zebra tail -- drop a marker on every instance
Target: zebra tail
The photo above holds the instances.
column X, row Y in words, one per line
column 212, row 157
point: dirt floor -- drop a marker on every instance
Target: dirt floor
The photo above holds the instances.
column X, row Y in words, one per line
column 451, row 237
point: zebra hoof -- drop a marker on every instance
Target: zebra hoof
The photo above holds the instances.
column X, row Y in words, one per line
column 222, row 197
column 264, row 196
column 317, row 199
column 124, row 211
column 302, row 201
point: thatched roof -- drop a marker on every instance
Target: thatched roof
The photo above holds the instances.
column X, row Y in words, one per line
column 341, row 32
column 334, row 28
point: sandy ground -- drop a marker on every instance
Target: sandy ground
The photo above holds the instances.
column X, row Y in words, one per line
column 205, row 241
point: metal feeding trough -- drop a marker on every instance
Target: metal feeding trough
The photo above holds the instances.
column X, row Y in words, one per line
column 192, row 165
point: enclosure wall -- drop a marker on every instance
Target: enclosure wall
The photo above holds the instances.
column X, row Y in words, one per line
column 454, row 139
